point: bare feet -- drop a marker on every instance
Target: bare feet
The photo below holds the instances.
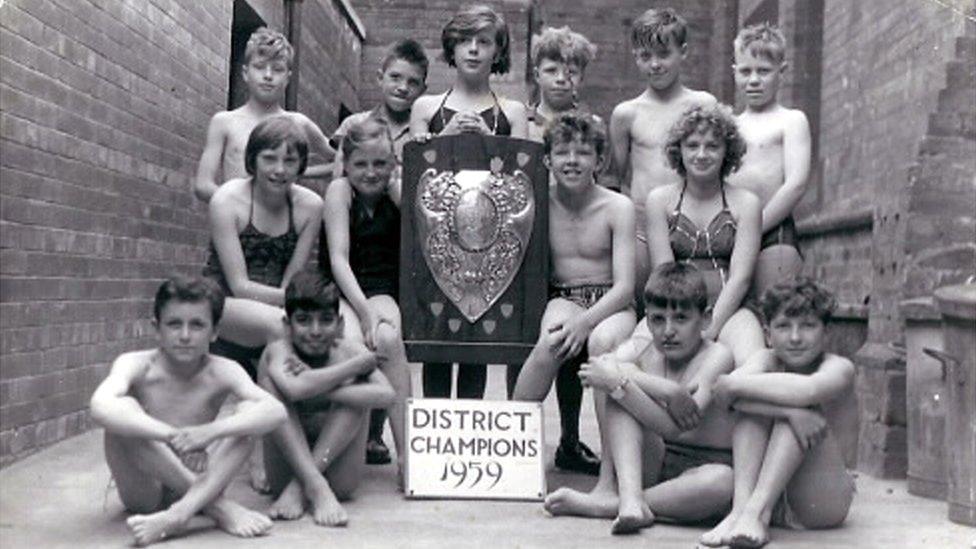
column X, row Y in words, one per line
column 632, row 518
column 237, row 520
column 149, row 529
column 326, row 510
column 566, row 501
column 719, row 536
column 749, row 531
column 290, row 505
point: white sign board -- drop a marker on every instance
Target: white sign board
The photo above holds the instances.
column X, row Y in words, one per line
column 480, row 449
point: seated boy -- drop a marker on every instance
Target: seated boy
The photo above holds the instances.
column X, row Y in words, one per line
column 669, row 446
column 167, row 452
column 591, row 239
column 788, row 467
column 328, row 386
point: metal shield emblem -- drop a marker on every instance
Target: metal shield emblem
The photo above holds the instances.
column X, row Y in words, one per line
column 474, row 230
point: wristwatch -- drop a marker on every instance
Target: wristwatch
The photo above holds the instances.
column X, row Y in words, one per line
column 619, row 392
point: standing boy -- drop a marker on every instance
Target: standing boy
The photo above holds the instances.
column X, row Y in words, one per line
column 266, row 70
column 591, row 239
column 789, row 471
column 639, row 127
column 327, row 384
column 670, row 446
column 170, row 456
column 777, row 161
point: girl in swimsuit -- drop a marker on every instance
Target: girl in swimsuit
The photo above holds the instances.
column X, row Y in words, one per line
column 362, row 228
column 706, row 222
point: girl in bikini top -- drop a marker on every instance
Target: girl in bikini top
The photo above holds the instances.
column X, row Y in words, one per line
column 493, row 116
column 713, row 243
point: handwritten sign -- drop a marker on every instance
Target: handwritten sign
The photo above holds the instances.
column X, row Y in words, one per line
column 479, row 449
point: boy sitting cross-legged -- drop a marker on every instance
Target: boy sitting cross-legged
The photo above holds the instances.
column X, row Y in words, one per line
column 669, row 446
column 328, row 386
column 168, row 454
column 789, row 471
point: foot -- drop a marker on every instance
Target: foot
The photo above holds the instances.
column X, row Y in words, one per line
column 566, row 501
column 749, row 532
column 152, row 528
column 631, row 519
column 326, row 510
column 577, row 457
column 237, row 520
column 290, row 505
column 719, row 536
column 376, row 452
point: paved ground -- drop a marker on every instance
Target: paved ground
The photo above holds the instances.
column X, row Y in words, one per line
column 59, row 498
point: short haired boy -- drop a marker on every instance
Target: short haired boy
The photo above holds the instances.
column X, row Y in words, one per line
column 266, row 70
column 789, row 471
column 591, row 239
column 328, row 386
column 170, row 456
column 669, row 445
column 639, row 126
column 777, row 161
column 559, row 60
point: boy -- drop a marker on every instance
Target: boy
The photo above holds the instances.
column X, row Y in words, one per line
column 327, row 385
column 777, row 161
column 788, row 468
column 159, row 410
column 670, row 447
column 266, row 70
column 639, row 127
column 591, row 239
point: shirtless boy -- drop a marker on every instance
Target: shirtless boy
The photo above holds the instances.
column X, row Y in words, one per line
column 777, row 161
column 789, row 471
column 328, row 386
column 591, row 244
column 669, row 445
column 170, row 456
column 639, row 127
column 266, row 70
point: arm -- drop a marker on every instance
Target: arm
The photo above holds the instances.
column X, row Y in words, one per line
column 835, row 375
column 658, row 237
column 420, row 116
column 308, row 207
column 223, row 229
column 808, row 425
column 296, row 381
column 716, row 360
column 375, row 392
column 318, row 144
column 119, row 413
column 620, row 121
column 205, row 183
column 796, row 171
column 741, row 266
column 517, row 117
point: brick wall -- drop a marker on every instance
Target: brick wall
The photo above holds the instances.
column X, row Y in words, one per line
column 103, row 112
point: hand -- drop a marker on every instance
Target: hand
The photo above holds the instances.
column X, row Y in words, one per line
column 723, row 391
column 368, row 326
column 367, row 362
column 195, row 461
column 710, row 334
column 601, row 373
column 466, row 122
column 809, row 427
column 567, row 338
column 193, row 438
column 294, row 365
column 423, row 137
column 682, row 408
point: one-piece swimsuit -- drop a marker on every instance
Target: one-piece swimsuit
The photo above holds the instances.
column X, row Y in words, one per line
column 709, row 249
column 493, row 116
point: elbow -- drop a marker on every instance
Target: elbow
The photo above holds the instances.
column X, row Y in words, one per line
column 97, row 412
column 277, row 413
column 386, row 397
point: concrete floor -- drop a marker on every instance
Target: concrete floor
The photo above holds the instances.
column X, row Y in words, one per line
column 60, row 498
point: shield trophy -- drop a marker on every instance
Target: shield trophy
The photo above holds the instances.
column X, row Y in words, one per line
column 474, row 248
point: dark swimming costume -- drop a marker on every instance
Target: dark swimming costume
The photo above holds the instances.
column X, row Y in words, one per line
column 680, row 457
column 584, row 295
column 493, row 116
column 265, row 256
column 709, row 249
column 374, row 247
column 784, row 233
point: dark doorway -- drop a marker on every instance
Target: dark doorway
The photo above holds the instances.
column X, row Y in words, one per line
column 245, row 21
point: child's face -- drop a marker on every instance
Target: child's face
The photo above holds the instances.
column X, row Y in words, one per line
column 476, row 53
column 185, row 330
column 276, row 169
column 558, row 82
column 266, row 78
column 757, row 78
column 402, row 83
column 703, row 153
column 370, row 166
column 661, row 66
column 574, row 163
column 797, row 341
column 313, row 332
column 677, row 331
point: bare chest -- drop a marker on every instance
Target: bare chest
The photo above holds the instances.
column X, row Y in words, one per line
column 178, row 402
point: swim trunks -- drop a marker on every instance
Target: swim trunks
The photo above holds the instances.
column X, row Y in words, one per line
column 784, row 233
column 584, row 295
column 680, row 457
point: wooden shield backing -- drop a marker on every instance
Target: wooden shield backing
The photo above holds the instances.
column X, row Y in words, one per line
column 434, row 328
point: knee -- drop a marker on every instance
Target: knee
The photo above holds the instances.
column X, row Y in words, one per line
column 824, row 514
column 601, row 342
column 388, row 338
column 719, row 479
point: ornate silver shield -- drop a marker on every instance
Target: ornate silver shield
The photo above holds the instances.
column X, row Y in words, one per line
column 474, row 230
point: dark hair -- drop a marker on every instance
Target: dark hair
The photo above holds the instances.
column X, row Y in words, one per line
column 310, row 291
column 188, row 289
column 797, row 298
column 568, row 126
column 269, row 44
column 470, row 21
column 717, row 118
column 676, row 285
column 763, row 40
column 657, row 29
column 562, row 45
column 361, row 132
column 270, row 134
column 408, row 50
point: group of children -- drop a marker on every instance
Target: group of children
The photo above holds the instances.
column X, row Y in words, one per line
column 712, row 404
